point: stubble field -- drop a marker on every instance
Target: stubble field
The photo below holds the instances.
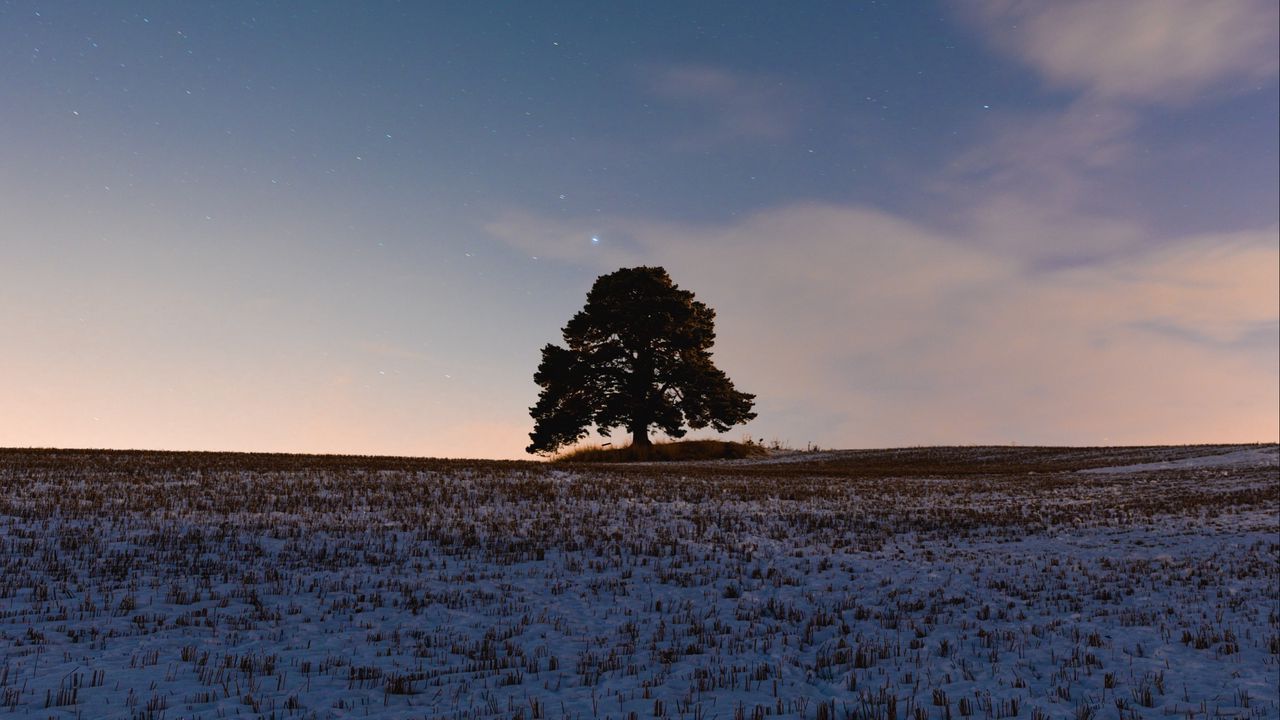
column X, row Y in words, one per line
column 923, row 583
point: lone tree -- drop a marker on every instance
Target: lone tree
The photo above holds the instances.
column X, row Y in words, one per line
column 639, row 356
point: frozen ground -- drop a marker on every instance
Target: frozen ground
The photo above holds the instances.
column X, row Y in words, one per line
column 920, row 583
column 1265, row 456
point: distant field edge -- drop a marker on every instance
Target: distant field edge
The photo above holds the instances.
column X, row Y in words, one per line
column 674, row 451
column 731, row 456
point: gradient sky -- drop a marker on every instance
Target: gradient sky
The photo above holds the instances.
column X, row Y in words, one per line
column 350, row 227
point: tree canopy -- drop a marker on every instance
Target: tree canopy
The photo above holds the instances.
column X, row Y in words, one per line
column 638, row 357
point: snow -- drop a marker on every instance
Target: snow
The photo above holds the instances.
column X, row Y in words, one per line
column 1267, row 456
column 214, row 587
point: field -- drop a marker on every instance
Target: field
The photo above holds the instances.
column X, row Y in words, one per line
column 939, row 583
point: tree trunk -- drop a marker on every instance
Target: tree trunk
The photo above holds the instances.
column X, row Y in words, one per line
column 641, row 388
column 640, row 437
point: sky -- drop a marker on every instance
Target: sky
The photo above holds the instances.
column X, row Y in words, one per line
column 350, row 227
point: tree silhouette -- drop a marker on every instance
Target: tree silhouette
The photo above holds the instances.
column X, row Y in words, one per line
column 638, row 356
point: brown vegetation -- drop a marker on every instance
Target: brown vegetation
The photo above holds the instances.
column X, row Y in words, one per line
column 675, row 451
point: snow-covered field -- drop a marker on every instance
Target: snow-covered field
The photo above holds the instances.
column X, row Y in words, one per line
column 920, row 583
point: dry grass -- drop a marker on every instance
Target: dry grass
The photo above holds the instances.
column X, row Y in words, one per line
column 675, row 451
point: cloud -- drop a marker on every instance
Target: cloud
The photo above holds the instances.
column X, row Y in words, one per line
column 1056, row 153
column 856, row 327
column 1153, row 51
column 1043, row 186
column 1049, row 187
column 1033, row 187
column 1048, row 229
column 733, row 107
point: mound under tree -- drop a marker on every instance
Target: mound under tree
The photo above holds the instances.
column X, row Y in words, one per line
column 638, row 357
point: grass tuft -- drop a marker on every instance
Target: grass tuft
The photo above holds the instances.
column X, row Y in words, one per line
column 681, row 450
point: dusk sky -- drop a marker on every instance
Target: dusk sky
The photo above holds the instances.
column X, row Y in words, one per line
column 350, row 227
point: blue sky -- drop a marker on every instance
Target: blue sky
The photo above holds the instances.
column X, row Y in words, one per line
column 340, row 227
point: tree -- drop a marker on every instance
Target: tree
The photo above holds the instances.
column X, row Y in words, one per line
column 638, row 356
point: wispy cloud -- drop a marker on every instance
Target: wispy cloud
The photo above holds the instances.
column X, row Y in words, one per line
column 1042, row 186
column 733, row 107
column 1052, row 152
column 1032, row 188
column 1162, row 51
